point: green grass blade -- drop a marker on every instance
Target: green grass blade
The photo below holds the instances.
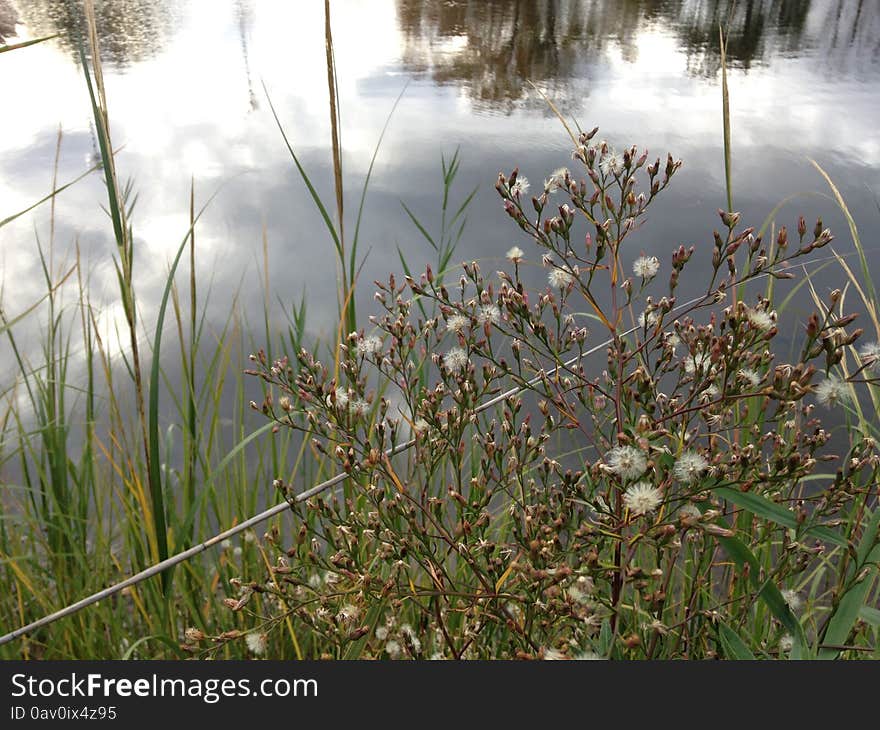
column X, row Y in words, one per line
column 158, row 501
column 776, row 513
column 49, row 197
column 360, row 213
column 847, row 610
column 225, row 461
column 867, row 281
column 5, row 324
column 725, row 111
column 106, row 154
column 418, row 225
column 732, row 645
column 25, row 44
column 767, row 592
column 328, row 222
column 870, row 615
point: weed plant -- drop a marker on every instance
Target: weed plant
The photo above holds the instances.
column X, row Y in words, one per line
column 591, row 468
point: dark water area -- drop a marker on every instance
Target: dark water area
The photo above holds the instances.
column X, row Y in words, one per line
column 185, row 86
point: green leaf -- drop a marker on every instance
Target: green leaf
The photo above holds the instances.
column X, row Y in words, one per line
column 161, row 639
column 418, row 225
column 328, row 222
column 25, row 44
column 870, row 615
column 851, row 603
column 606, row 637
column 6, row 324
column 48, row 197
column 767, row 592
column 732, row 645
column 158, row 499
column 763, row 507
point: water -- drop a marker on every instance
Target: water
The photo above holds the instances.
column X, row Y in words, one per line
column 185, row 86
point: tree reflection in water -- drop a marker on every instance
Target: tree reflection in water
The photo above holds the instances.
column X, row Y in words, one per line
column 129, row 31
column 492, row 47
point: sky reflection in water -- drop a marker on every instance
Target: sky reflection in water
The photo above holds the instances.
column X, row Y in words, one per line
column 184, row 81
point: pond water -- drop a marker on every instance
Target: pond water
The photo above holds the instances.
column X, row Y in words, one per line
column 185, row 81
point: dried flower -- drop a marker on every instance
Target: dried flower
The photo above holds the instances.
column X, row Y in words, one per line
column 833, row 391
column 556, row 180
column 689, row 513
column 646, row 266
column 415, row 644
column 870, row 355
column 359, row 407
column 257, row 643
column 348, row 613
column 611, row 164
column 689, row 466
column 786, row 643
column 455, row 359
column 648, row 319
column 642, row 497
column 515, row 254
column 394, row 649
column 751, row 377
column 699, row 361
column 761, row 319
column 342, row 397
column 560, row 278
column 627, row 462
column 368, row 345
column 792, row 599
column 457, row 322
column 520, row 187
column 193, row 636
column 489, row 313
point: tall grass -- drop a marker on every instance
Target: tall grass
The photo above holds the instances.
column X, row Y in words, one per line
column 121, row 462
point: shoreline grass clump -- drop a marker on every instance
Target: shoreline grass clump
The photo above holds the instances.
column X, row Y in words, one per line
column 680, row 501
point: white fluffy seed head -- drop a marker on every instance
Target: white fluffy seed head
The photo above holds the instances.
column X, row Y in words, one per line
column 455, row 360
column 833, row 391
column 761, row 319
column 611, row 164
column 689, row 466
column 870, row 356
column 520, row 187
column 646, row 267
column 368, row 345
column 457, row 322
column 628, row 462
column 560, row 278
column 750, row 377
column 489, row 313
column 257, row 643
column 792, row 599
column 642, row 497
